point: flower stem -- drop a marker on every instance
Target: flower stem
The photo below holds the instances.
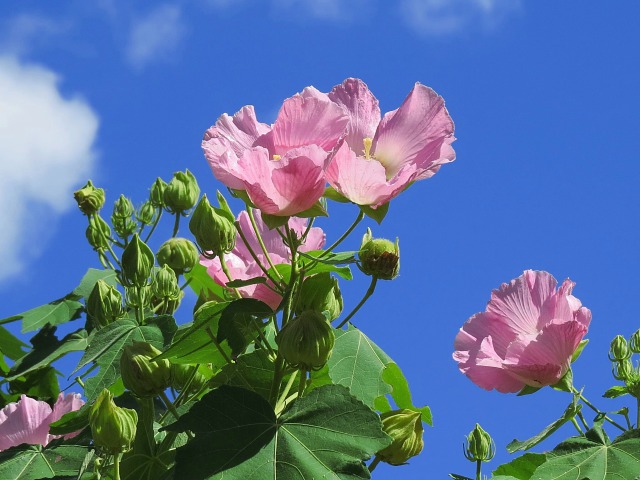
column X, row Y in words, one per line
column 218, row 346
column 375, row 463
column 176, row 225
column 116, row 466
column 225, row 269
column 372, row 287
column 153, row 227
column 255, row 257
column 277, row 380
column 344, row 235
column 303, row 382
column 478, row 469
column 595, row 409
column 577, row 426
column 261, row 242
column 281, row 401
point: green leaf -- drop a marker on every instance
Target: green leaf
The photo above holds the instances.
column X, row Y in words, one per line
column 579, row 350
column 339, row 258
column 41, row 383
column 332, row 194
column 34, row 461
column 325, row 434
column 285, row 269
column 253, row 371
column 455, row 476
column 91, row 278
column 317, row 210
column 72, row 421
column 593, row 457
column 57, row 312
column 616, row 391
column 521, row 468
column 11, row 346
column 570, row 412
column 318, row 378
column 393, row 376
column 203, row 285
column 166, row 324
column 247, row 282
column 274, row 221
column 377, row 214
column 239, row 322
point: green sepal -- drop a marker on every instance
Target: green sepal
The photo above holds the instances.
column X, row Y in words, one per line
column 579, row 350
column 616, row 391
column 332, row 194
column 224, row 208
column 565, row 384
column 274, row 221
column 377, row 214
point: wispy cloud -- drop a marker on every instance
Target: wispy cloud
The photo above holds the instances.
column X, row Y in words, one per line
column 24, row 32
column 447, row 17
column 156, row 36
column 46, row 150
column 334, row 10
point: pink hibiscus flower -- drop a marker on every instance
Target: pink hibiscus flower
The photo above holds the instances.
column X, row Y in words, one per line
column 526, row 336
column 282, row 167
column 242, row 265
column 27, row 420
column 380, row 158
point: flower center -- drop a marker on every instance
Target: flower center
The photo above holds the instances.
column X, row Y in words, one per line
column 367, row 147
column 276, row 158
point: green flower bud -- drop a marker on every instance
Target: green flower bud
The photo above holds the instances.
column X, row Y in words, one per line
column 379, row 258
column 89, row 198
column 179, row 253
column 113, row 428
column 140, row 373
column 137, row 297
column 623, row 370
column 156, row 195
column 124, row 227
column 213, row 228
column 146, row 213
column 320, row 293
column 104, row 304
column 634, row 342
column 166, row 291
column 122, row 207
column 405, row 429
column 306, row 341
column 479, row 446
column 180, row 375
column 182, row 192
column 137, row 262
column 121, row 219
column 619, row 349
column 98, row 233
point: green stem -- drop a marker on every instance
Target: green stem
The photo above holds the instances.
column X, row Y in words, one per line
column 372, row 287
column 277, row 380
column 582, row 419
column 374, row 464
column 170, row 406
column 256, row 259
column 144, row 442
column 140, row 308
column 263, row 338
column 595, row 409
column 176, row 225
column 153, row 227
column 577, row 426
column 303, row 382
column 261, row 242
column 225, row 269
column 214, row 340
column 283, row 398
column 344, row 235
column 116, row 466
column 478, row 469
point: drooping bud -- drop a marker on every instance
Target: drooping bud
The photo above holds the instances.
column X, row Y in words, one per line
column 104, row 304
column 165, row 290
column 140, row 373
column 137, row 261
column 623, row 370
column 405, row 429
column 113, row 428
column 619, row 349
column 179, row 253
column 479, row 446
column 182, row 192
column 89, row 198
column 156, row 195
column 146, row 213
column 181, row 374
column 320, row 293
column 634, row 342
column 213, row 228
column 379, row 257
column 306, row 341
column 98, row 233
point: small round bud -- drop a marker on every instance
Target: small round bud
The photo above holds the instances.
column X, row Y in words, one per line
column 634, row 342
column 379, row 258
column 179, row 253
column 182, row 192
column 619, row 349
column 181, row 374
column 98, row 233
column 213, row 228
column 479, row 446
column 104, row 304
column 623, row 370
column 320, row 293
column 146, row 213
column 306, row 341
column 405, row 429
column 156, row 195
column 113, row 428
column 89, row 198
column 140, row 373
column 137, row 262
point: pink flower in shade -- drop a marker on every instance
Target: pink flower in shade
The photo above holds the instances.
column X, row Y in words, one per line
column 281, row 167
column 27, row 420
column 380, row 158
column 242, row 265
column 526, row 336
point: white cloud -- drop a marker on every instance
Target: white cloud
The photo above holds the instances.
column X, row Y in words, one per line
column 446, row 17
column 156, row 36
column 46, row 151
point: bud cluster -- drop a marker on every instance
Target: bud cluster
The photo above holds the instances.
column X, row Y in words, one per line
column 620, row 353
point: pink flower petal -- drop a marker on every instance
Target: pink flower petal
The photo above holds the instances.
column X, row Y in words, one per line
column 65, row 404
column 419, row 132
column 25, row 421
column 363, row 109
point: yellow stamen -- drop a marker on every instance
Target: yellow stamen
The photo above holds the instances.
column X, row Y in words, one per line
column 276, row 157
column 367, row 147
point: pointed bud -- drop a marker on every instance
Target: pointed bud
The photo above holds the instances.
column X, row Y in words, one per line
column 306, row 341
column 179, row 253
column 479, row 446
column 156, row 194
column 166, row 291
column 405, row 429
column 623, row 370
column 89, row 198
column 146, row 214
column 121, row 220
column 113, row 428
column 181, row 374
column 379, row 258
column 122, row 207
column 213, row 228
column 619, row 349
column 140, row 373
column 320, row 293
column 182, row 192
column 634, row 342
column 104, row 304
column 137, row 262
column 98, row 233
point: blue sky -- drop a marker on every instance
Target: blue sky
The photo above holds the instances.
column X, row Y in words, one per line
column 545, row 100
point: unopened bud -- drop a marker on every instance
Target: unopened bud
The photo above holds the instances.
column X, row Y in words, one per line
column 619, row 349
column 104, row 304
column 320, row 293
column 113, row 428
column 179, row 253
column 379, row 257
column 181, row 374
column 479, row 446
column 137, row 262
column 182, row 192
column 137, row 297
column 140, row 373
column 405, row 429
column 306, row 341
column 156, row 195
column 98, row 233
column 213, row 228
column 623, row 370
column 89, row 198
column 634, row 342
column 146, row 213
column 166, row 291
column 121, row 219
column 122, row 207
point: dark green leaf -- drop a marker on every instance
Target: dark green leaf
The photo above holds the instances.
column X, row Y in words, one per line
column 239, row 322
column 377, row 214
column 245, row 283
column 521, row 468
column 325, row 434
column 332, row 194
column 11, row 346
column 616, row 391
column 91, row 278
column 253, row 371
column 71, row 422
column 166, row 324
column 57, row 312
column 339, row 258
column 41, row 383
column 28, row 462
column 393, row 376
